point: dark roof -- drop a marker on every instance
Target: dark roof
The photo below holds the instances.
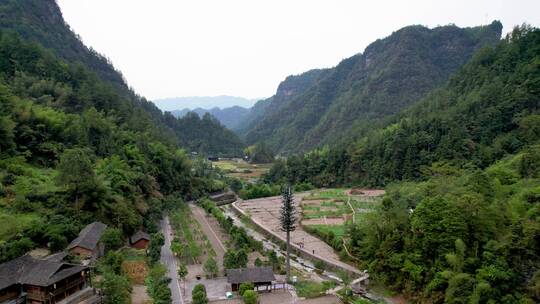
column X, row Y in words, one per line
column 57, row 257
column 89, row 236
column 253, row 275
column 139, row 235
column 27, row 270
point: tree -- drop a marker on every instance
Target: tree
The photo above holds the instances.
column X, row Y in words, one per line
column 258, row 262
column 211, row 268
column 76, row 174
column 116, row 288
column 235, row 259
column 288, row 220
column 154, row 251
column 245, row 287
column 112, row 238
column 158, row 285
column 198, row 295
column 182, row 273
column 250, row 297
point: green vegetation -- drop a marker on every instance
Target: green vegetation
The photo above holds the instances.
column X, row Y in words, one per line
column 211, row 268
column 234, row 259
column 154, row 248
column 190, row 243
column 158, row 285
column 250, row 297
column 461, row 168
column 311, row 289
column 198, row 295
column 259, row 154
column 245, row 287
column 239, row 237
column 77, row 145
column 334, row 105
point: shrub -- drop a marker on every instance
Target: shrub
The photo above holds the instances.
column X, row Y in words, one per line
column 211, row 268
column 250, row 297
column 198, row 295
column 112, row 239
column 245, row 287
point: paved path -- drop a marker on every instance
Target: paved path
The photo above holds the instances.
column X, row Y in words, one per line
column 169, row 260
column 213, row 236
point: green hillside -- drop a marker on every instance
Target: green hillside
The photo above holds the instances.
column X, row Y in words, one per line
column 77, row 147
column 41, row 22
column 460, row 220
column 323, row 106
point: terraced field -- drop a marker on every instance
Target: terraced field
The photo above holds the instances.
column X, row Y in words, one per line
column 330, row 210
column 241, row 169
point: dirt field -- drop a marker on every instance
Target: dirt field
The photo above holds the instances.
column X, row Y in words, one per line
column 139, row 296
column 265, row 211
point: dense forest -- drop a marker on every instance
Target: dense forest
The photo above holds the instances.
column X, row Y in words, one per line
column 460, row 222
column 76, row 146
column 41, row 22
column 323, row 106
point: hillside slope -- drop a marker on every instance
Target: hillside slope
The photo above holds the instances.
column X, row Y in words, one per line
column 344, row 101
column 230, row 117
column 461, row 218
column 41, row 22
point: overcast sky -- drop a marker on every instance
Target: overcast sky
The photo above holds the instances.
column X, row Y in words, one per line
column 168, row 48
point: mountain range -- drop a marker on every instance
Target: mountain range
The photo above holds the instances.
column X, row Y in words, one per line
column 203, row 102
column 230, row 117
column 328, row 106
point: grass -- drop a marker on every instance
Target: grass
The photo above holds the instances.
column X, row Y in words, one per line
column 14, row 223
column 338, row 230
column 241, row 169
column 189, row 233
column 310, row 289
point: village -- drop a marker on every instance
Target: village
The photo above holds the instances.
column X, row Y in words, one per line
column 224, row 243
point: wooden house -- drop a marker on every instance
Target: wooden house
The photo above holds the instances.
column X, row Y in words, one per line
column 139, row 240
column 261, row 277
column 87, row 244
column 29, row 280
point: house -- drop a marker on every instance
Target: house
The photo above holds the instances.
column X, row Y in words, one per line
column 261, row 277
column 29, row 280
column 139, row 240
column 87, row 244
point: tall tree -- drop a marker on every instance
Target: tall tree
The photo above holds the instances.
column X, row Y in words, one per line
column 288, row 220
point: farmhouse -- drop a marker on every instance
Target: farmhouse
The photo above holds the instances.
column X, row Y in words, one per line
column 139, row 240
column 261, row 277
column 26, row 279
column 87, row 244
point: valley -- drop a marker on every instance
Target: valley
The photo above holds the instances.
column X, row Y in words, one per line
column 408, row 172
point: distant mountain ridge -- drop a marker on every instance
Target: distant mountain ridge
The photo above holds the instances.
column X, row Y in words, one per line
column 230, row 117
column 325, row 106
column 203, row 102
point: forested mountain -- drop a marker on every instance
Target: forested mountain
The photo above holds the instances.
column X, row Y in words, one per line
column 230, row 117
column 77, row 146
column 461, row 218
column 323, row 106
column 41, row 22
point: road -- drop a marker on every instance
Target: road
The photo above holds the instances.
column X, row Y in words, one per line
column 169, row 260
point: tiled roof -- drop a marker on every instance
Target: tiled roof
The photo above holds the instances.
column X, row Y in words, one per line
column 139, row 235
column 27, row 270
column 253, row 275
column 89, row 236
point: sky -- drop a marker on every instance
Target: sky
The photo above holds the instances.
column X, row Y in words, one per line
column 170, row 48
